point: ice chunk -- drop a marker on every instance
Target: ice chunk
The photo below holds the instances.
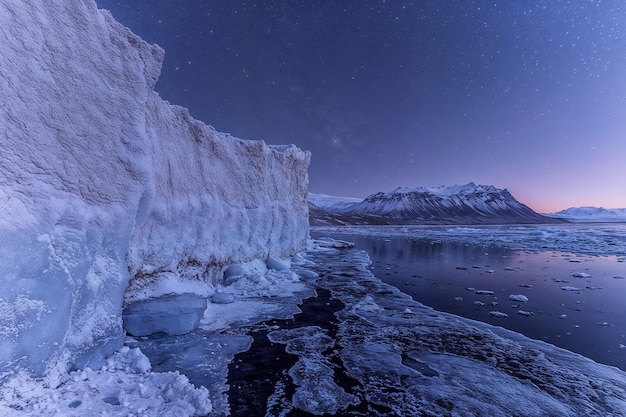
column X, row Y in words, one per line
column 306, row 274
column 233, row 271
column 173, row 314
column 129, row 360
column 570, row 288
column 498, row 314
column 520, row 298
column 580, row 275
column 276, row 264
column 483, row 292
column 222, row 298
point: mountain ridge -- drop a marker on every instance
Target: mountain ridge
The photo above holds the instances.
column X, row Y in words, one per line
column 457, row 204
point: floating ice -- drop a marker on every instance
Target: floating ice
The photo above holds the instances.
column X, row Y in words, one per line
column 423, row 363
column 570, row 288
column 518, row 297
column 317, row 392
column 483, row 292
column 598, row 239
column 498, row 314
column 580, row 275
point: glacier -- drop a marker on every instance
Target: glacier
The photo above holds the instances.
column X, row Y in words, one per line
column 110, row 195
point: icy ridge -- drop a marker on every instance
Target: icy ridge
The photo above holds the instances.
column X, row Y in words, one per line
column 102, row 182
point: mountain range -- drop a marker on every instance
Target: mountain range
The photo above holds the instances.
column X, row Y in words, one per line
column 591, row 215
column 458, row 204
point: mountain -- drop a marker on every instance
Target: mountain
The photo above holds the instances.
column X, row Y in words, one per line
column 458, row 204
column 591, row 214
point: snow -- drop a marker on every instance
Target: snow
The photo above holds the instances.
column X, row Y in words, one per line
column 591, row 214
column 110, row 195
column 123, row 387
column 332, row 203
column 469, row 203
column 448, row 190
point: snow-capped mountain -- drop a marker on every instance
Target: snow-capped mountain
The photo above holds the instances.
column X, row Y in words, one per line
column 591, row 214
column 469, row 203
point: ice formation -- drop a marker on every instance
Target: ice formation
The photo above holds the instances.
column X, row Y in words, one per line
column 104, row 186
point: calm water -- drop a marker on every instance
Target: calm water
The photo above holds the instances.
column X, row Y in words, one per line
column 590, row 321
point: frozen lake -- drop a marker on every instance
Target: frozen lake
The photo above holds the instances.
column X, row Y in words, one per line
column 572, row 277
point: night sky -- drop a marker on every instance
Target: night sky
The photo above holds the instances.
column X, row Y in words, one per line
column 526, row 95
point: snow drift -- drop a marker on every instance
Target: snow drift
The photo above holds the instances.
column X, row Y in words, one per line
column 103, row 183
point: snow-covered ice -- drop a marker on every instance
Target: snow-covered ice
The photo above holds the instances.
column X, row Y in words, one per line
column 111, row 196
column 125, row 386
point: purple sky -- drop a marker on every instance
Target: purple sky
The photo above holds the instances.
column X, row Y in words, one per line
column 524, row 95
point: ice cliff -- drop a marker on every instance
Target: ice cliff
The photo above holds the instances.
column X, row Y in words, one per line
column 102, row 184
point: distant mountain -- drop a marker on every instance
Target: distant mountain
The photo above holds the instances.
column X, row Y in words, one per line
column 591, row 214
column 459, row 204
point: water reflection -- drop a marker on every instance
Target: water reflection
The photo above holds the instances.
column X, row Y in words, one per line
column 445, row 275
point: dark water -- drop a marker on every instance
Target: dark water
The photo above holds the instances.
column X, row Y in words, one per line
column 590, row 321
column 255, row 375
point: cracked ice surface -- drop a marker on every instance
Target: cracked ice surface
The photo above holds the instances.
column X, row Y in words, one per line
column 412, row 360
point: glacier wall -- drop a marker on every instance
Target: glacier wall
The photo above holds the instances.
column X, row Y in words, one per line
column 103, row 183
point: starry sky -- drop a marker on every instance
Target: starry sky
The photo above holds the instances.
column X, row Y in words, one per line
column 528, row 95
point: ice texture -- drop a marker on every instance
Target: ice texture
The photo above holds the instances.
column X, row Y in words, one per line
column 171, row 314
column 412, row 360
column 124, row 387
column 104, row 186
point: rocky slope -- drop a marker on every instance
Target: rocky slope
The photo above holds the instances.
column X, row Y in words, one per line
column 460, row 204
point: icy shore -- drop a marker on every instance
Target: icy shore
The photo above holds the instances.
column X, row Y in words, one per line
column 383, row 354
